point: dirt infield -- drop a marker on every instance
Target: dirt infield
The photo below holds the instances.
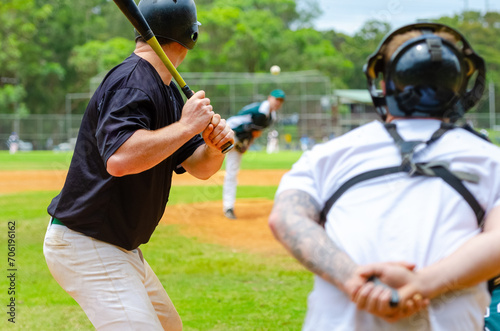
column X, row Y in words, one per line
column 48, row 180
column 22, row 181
column 204, row 221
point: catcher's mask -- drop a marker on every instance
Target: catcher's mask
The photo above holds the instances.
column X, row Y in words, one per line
column 171, row 19
column 427, row 76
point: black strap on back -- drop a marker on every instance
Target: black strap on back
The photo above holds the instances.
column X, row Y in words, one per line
column 457, row 184
column 407, row 149
column 353, row 181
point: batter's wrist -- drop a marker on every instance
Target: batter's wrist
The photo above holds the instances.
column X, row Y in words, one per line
column 212, row 151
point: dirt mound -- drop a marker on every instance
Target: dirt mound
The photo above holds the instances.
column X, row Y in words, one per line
column 206, row 221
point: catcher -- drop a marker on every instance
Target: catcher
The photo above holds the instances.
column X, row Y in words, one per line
column 247, row 125
column 414, row 187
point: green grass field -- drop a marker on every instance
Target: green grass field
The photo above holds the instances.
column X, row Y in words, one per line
column 213, row 287
column 48, row 160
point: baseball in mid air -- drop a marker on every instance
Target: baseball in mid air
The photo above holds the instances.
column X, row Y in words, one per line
column 275, row 70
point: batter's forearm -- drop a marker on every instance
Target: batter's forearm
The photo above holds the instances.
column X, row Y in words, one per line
column 473, row 262
column 294, row 222
column 204, row 162
column 145, row 149
column 476, row 261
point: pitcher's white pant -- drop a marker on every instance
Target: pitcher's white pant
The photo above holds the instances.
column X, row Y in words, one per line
column 116, row 288
column 233, row 161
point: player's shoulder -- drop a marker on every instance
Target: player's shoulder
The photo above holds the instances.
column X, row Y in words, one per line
column 264, row 107
column 250, row 108
column 473, row 142
column 133, row 72
column 355, row 140
column 473, row 135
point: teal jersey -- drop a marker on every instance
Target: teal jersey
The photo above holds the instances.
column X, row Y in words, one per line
column 253, row 117
column 492, row 317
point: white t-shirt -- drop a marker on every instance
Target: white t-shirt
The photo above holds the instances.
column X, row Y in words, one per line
column 397, row 218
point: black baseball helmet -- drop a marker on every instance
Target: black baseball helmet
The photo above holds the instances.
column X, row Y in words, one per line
column 172, row 19
column 427, row 76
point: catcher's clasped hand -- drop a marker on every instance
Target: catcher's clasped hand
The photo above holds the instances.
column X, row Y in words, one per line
column 374, row 297
column 217, row 133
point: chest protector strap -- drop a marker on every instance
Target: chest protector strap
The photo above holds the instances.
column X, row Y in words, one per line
column 430, row 169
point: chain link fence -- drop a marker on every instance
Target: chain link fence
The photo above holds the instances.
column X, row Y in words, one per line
column 312, row 112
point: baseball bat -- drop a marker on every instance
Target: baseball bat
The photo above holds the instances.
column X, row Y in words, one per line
column 394, row 301
column 134, row 15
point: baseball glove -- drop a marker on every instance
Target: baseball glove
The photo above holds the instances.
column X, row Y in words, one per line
column 242, row 146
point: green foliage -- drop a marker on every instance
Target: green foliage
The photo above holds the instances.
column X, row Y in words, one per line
column 284, row 10
column 11, row 97
column 357, row 49
column 234, row 38
column 308, row 48
column 481, row 30
column 96, row 56
column 19, row 21
column 54, row 47
column 37, row 39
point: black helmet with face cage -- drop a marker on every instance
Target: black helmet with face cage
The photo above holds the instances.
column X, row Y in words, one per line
column 427, row 76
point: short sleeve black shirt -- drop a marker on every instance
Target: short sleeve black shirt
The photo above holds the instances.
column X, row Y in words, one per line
column 123, row 211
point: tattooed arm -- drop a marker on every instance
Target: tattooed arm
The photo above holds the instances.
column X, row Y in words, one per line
column 294, row 221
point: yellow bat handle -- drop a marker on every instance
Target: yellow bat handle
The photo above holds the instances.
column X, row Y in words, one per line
column 153, row 42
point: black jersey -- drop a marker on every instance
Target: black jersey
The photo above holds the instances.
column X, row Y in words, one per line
column 123, row 211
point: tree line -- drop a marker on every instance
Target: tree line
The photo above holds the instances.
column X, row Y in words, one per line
column 53, row 47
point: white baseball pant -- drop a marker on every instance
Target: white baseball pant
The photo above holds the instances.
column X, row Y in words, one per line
column 116, row 288
column 233, row 161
